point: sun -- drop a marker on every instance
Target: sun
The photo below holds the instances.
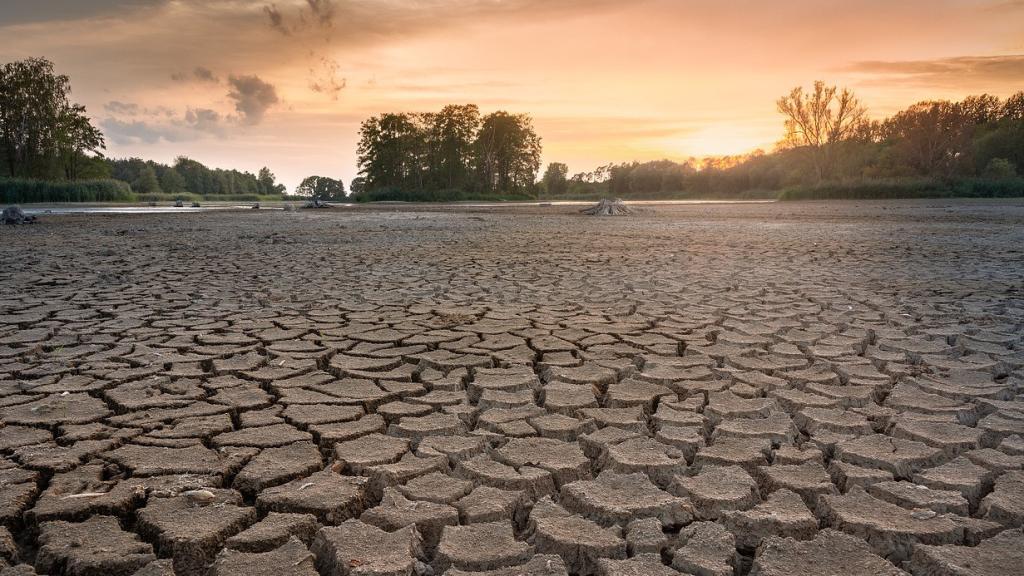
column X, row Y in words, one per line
column 719, row 140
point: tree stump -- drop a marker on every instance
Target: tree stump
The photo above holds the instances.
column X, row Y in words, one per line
column 608, row 207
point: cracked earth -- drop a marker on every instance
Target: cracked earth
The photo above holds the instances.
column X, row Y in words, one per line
column 714, row 390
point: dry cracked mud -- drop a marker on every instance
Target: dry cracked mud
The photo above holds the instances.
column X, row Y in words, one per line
column 763, row 389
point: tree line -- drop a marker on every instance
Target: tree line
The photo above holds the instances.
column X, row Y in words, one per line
column 190, row 176
column 974, row 146
column 446, row 155
column 45, row 137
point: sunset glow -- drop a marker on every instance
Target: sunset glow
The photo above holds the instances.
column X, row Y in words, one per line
column 286, row 84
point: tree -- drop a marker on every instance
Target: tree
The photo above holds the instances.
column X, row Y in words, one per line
column 39, row 126
column 507, row 153
column 819, row 121
column 555, row 179
column 391, row 151
column 267, row 182
column 1000, row 169
column 321, row 188
column 147, row 182
column 449, row 136
column 933, row 138
column 358, row 186
column 171, row 180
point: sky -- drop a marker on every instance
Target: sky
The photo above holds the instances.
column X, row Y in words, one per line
column 284, row 84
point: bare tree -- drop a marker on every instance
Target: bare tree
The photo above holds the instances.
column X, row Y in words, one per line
column 820, row 121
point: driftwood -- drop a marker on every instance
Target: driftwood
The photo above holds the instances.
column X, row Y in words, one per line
column 317, row 203
column 608, row 207
column 15, row 215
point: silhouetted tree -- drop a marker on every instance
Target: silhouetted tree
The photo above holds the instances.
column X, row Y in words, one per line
column 819, row 121
column 507, row 153
column 555, row 179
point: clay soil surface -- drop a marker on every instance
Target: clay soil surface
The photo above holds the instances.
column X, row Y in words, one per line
column 768, row 389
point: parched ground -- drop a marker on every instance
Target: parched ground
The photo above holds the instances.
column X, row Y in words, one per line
column 780, row 389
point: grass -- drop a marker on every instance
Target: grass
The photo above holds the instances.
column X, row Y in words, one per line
column 24, row 191
column 190, row 197
column 908, row 188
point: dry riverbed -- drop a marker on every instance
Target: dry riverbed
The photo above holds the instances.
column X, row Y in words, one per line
column 772, row 389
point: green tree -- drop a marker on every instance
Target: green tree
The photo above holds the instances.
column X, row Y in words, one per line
column 321, row 188
column 147, row 182
column 819, row 121
column 171, row 180
column 39, row 126
column 358, row 186
column 1000, row 169
column 556, row 182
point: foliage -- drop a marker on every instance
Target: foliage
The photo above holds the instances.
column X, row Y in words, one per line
column 447, row 155
column 999, row 169
column 556, row 179
column 456, row 195
column 26, row 191
column 907, row 188
column 973, row 147
column 321, row 188
column 42, row 133
column 187, row 175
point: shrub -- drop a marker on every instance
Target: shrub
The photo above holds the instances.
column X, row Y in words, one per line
column 25, row 191
column 908, row 188
column 999, row 169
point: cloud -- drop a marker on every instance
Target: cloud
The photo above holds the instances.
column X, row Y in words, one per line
column 199, row 74
column 948, row 72
column 22, row 12
column 205, row 120
column 126, row 133
column 121, row 108
column 252, row 97
column 276, row 19
column 324, row 78
column 322, row 11
column 205, row 75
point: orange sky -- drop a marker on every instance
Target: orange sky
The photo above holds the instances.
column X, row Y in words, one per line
column 243, row 84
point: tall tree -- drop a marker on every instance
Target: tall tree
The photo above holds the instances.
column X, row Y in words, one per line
column 555, row 179
column 39, row 126
column 819, row 121
column 932, row 138
column 507, row 153
column 147, row 181
column 450, row 135
column 391, row 151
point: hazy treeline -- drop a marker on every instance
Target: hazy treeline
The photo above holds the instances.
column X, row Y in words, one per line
column 448, row 155
column 189, row 176
column 830, row 149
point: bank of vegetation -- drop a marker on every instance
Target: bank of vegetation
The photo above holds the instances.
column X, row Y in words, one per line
column 449, row 155
column 830, row 149
column 51, row 152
